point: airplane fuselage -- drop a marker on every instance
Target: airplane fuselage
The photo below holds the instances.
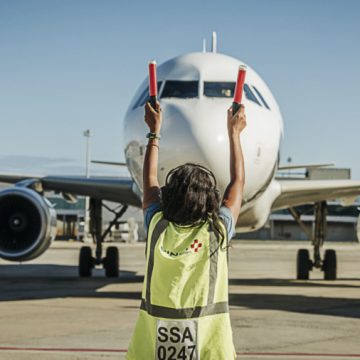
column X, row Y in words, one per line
column 195, row 92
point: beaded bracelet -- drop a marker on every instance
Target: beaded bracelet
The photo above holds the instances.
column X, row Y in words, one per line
column 152, row 135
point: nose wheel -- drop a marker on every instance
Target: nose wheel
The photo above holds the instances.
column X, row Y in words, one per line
column 110, row 263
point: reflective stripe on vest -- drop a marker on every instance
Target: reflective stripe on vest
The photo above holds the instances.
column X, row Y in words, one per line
column 211, row 307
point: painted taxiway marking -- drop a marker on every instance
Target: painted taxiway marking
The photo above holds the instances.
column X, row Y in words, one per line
column 259, row 354
column 295, row 354
column 13, row 348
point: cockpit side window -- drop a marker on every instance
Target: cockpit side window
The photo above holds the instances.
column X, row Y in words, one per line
column 180, row 89
column 219, row 89
column 261, row 98
column 250, row 95
column 144, row 96
column 226, row 90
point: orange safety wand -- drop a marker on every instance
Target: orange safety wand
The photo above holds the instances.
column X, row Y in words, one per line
column 239, row 89
column 152, row 83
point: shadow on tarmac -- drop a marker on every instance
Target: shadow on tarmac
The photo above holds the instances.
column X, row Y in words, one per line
column 43, row 281
column 61, row 272
column 340, row 283
column 343, row 307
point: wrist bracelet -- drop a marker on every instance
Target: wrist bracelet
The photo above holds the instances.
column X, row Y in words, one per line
column 152, row 135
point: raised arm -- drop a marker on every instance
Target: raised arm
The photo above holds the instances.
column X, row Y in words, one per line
column 234, row 191
column 151, row 187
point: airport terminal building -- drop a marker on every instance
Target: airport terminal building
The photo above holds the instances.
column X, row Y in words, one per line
column 342, row 222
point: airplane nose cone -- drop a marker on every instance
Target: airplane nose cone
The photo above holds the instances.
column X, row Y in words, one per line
column 196, row 133
column 191, row 132
column 179, row 139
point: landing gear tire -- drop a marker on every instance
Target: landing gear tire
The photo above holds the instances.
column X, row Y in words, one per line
column 111, row 262
column 86, row 262
column 329, row 266
column 303, row 264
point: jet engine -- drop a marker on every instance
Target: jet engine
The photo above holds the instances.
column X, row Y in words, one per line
column 27, row 224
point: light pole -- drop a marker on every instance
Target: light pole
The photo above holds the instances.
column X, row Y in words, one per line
column 87, row 133
column 289, row 160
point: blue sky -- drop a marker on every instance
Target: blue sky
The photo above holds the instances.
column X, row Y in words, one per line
column 69, row 65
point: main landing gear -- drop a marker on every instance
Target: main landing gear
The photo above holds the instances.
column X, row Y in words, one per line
column 303, row 263
column 111, row 261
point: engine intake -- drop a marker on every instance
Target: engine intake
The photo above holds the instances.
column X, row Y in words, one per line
column 27, row 224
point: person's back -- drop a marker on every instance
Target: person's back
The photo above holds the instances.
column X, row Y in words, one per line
column 184, row 307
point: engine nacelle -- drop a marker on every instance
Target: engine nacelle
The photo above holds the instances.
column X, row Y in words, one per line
column 27, row 224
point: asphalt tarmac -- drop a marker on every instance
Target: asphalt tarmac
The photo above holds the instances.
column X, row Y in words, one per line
column 47, row 312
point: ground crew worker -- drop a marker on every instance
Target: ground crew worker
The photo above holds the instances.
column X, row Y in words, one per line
column 184, row 310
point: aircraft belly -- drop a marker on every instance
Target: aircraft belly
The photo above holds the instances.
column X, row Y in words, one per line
column 255, row 214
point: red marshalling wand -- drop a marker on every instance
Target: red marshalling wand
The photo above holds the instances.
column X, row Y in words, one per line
column 152, row 84
column 239, row 89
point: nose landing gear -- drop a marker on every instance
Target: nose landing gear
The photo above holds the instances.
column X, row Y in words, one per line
column 304, row 264
column 111, row 261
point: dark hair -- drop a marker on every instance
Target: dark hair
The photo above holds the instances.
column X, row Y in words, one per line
column 190, row 197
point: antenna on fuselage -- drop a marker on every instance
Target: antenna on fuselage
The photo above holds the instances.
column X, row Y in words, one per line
column 214, row 42
column 204, row 45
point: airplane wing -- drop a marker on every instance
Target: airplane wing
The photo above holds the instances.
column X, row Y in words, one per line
column 299, row 192
column 122, row 190
column 303, row 166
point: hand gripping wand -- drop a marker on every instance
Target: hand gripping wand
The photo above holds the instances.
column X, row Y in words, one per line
column 152, row 84
column 239, row 89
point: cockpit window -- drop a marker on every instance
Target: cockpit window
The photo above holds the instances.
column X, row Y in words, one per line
column 180, row 89
column 219, row 89
column 261, row 97
column 250, row 95
column 227, row 89
column 144, row 96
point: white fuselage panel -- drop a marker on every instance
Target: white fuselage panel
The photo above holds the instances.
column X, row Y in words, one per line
column 195, row 129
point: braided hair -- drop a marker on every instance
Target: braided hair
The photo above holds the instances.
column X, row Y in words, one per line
column 190, row 197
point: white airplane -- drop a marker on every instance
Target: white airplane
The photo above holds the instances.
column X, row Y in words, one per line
column 195, row 91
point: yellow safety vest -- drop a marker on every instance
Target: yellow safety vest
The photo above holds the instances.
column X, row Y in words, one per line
column 184, row 312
